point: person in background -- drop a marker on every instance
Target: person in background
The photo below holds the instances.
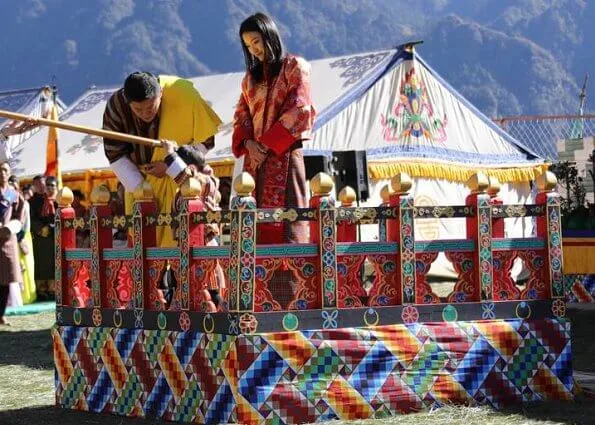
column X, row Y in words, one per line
column 11, row 222
column 120, row 236
column 43, row 211
column 82, row 235
column 27, row 192
column 28, row 291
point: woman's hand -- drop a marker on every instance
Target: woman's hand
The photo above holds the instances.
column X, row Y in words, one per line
column 169, row 146
column 256, row 152
column 156, row 169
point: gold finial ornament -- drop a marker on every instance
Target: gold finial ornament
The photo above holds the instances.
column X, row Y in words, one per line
column 65, row 197
column 386, row 192
column 546, row 182
column 401, row 183
column 494, row 186
column 321, row 184
column 347, row 196
column 478, row 182
column 191, row 188
column 144, row 192
column 100, row 195
column 244, row 184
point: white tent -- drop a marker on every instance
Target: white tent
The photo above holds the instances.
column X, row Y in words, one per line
column 35, row 102
column 388, row 103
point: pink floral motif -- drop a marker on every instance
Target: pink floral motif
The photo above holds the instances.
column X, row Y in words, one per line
column 410, row 314
column 184, row 321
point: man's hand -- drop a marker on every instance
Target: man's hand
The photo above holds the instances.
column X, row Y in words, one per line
column 256, row 152
column 156, row 169
column 169, row 146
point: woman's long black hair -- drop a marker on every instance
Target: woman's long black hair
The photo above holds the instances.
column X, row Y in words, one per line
column 275, row 52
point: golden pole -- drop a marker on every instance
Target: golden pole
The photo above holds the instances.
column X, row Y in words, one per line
column 82, row 129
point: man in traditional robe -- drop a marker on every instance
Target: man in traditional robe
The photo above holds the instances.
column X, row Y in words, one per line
column 164, row 107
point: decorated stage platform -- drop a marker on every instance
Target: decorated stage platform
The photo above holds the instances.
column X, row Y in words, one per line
column 342, row 346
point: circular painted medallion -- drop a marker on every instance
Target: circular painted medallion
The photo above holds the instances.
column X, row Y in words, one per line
column 449, row 313
column 161, row 321
column 290, row 322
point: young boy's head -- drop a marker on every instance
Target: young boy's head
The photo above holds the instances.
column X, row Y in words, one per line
column 191, row 156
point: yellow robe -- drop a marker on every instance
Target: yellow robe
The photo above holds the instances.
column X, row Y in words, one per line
column 186, row 118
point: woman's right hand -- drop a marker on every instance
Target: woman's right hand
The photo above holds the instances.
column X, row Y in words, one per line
column 256, row 152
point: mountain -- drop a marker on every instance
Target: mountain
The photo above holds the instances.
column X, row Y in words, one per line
column 507, row 57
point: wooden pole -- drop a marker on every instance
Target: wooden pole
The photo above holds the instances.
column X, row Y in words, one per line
column 82, row 129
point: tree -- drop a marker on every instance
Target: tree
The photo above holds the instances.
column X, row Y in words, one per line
column 573, row 203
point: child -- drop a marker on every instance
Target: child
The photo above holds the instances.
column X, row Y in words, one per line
column 186, row 162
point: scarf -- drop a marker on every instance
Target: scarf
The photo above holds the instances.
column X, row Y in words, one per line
column 49, row 206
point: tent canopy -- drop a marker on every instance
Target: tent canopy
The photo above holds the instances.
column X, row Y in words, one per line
column 33, row 102
column 389, row 103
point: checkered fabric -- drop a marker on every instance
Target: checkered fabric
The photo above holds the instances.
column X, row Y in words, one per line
column 309, row 376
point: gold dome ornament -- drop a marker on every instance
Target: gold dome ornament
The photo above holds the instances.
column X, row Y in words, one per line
column 65, row 197
column 244, row 184
column 386, row 192
column 401, row 183
column 100, row 195
column 321, row 184
column 478, row 182
column 546, row 182
column 347, row 196
column 494, row 186
column 144, row 192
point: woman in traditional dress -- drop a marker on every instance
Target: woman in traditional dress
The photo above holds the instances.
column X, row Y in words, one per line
column 28, row 290
column 273, row 117
column 11, row 223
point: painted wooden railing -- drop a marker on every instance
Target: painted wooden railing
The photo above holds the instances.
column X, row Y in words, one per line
column 332, row 271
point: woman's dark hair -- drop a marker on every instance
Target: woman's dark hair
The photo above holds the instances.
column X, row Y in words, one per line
column 275, row 52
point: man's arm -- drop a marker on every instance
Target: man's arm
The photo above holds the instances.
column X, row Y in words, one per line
column 117, row 152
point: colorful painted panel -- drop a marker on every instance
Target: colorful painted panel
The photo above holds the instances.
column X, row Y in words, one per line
column 580, row 288
column 307, row 376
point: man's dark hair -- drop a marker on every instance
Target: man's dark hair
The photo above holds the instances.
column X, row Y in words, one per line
column 50, row 179
column 141, row 86
column 275, row 52
column 191, row 156
column 38, row 177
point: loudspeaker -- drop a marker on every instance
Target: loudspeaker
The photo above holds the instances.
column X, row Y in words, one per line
column 351, row 169
column 317, row 164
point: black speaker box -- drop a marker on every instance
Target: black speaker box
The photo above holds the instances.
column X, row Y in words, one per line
column 317, row 164
column 351, row 169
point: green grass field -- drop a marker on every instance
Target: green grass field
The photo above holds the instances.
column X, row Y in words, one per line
column 27, row 390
